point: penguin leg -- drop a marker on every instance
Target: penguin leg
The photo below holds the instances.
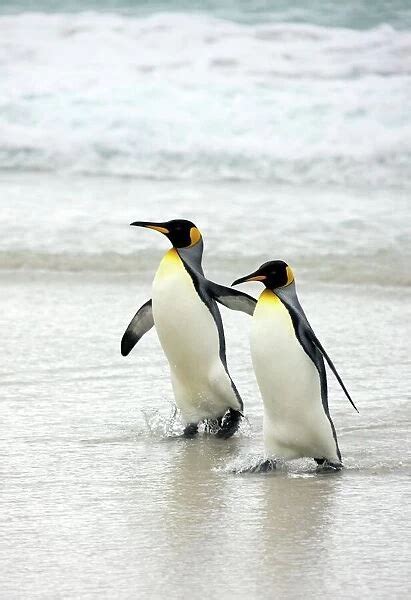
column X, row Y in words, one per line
column 229, row 424
column 190, row 430
column 326, row 466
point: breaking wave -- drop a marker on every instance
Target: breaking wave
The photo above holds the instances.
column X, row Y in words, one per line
column 195, row 96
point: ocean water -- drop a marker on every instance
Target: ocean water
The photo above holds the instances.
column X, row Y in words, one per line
column 283, row 132
column 193, row 95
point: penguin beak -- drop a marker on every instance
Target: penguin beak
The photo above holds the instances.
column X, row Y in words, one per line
column 252, row 277
column 156, row 226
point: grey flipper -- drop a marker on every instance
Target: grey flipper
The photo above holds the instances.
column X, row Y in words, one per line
column 309, row 340
column 230, row 298
column 139, row 325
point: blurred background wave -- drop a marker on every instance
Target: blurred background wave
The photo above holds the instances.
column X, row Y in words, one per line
column 209, row 90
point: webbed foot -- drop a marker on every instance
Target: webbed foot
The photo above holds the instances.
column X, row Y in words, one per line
column 229, row 424
column 326, row 466
column 190, row 430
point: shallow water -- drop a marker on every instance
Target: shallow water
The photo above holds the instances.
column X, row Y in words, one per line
column 97, row 501
column 327, row 233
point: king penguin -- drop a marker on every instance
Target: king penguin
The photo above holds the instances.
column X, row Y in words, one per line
column 288, row 361
column 184, row 311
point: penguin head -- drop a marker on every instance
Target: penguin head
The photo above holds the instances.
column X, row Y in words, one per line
column 273, row 274
column 181, row 233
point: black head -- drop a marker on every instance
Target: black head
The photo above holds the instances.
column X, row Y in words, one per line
column 180, row 232
column 273, row 274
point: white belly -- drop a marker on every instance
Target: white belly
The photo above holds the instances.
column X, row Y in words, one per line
column 295, row 424
column 189, row 337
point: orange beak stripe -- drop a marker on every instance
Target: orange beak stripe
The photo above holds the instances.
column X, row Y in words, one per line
column 258, row 278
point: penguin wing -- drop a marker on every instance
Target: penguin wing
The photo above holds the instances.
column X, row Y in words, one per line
column 139, row 325
column 230, row 298
column 309, row 341
column 317, row 343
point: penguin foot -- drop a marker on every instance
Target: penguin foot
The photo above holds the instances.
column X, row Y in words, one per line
column 190, row 430
column 326, row 466
column 264, row 466
column 229, row 424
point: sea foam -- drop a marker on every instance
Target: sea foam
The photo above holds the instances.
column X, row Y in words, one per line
column 192, row 96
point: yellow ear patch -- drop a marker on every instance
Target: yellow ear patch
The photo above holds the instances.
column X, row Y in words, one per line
column 290, row 275
column 195, row 236
column 158, row 228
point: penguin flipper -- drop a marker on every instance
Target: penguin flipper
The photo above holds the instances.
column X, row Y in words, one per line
column 317, row 343
column 308, row 339
column 139, row 325
column 230, row 298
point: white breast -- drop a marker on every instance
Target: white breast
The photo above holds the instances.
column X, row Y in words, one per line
column 295, row 423
column 189, row 337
